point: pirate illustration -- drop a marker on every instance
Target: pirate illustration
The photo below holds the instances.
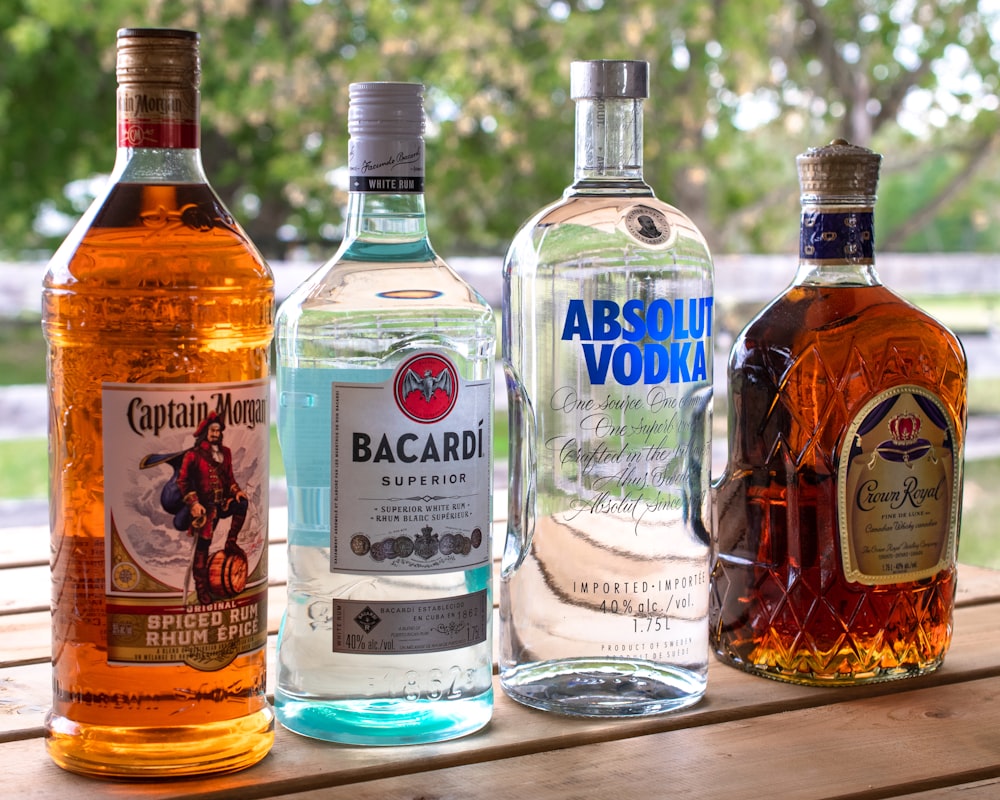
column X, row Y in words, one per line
column 202, row 491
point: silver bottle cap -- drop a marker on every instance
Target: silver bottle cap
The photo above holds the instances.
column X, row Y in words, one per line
column 385, row 108
column 623, row 79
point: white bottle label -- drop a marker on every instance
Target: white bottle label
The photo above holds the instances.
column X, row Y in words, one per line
column 186, row 509
column 424, row 626
column 411, row 471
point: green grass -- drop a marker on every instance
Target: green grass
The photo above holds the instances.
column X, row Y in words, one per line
column 980, row 536
column 24, row 469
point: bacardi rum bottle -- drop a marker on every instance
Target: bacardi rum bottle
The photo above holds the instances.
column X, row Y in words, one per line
column 607, row 348
column 385, row 385
column 838, row 511
column 158, row 315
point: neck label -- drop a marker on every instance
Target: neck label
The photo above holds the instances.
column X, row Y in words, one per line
column 386, row 165
column 838, row 236
column 163, row 119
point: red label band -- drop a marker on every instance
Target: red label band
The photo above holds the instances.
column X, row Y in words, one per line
column 159, row 133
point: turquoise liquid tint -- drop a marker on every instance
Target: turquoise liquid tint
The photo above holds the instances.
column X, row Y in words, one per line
column 387, row 636
column 356, row 322
column 323, row 694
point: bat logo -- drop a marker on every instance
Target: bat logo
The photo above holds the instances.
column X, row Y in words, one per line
column 427, row 384
column 426, row 387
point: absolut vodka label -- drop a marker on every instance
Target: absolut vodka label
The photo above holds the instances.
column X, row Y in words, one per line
column 635, row 342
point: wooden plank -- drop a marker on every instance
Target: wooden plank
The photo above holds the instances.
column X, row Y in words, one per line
column 731, row 695
column 980, row 790
column 29, row 544
column 977, row 585
column 878, row 747
column 24, row 545
column 26, row 636
column 975, row 653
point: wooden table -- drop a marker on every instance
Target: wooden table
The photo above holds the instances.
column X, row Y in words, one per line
column 751, row 739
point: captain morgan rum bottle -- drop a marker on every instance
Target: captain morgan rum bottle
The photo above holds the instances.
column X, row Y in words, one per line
column 157, row 310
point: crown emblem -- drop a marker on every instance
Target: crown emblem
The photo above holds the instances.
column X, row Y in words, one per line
column 905, row 429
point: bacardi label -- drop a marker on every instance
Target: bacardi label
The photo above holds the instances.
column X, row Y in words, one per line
column 410, row 627
column 412, row 471
column 186, row 509
column 899, row 481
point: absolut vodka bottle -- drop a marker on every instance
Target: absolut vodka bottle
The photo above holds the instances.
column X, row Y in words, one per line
column 385, row 387
column 607, row 349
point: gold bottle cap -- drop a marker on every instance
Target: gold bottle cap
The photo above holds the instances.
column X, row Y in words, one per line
column 839, row 169
column 158, row 55
column 158, row 74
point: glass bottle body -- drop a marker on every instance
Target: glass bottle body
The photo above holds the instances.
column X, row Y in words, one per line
column 384, row 299
column 607, row 350
column 156, row 287
column 807, row 366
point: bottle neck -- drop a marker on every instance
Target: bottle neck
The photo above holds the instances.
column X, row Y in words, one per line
column 386, row 218
column 837, row 242
column 158, row 165
column 159, row 133
column 386, row 202
column 609, row 146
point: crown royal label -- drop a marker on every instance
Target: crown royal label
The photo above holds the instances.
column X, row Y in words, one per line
column 899, row 479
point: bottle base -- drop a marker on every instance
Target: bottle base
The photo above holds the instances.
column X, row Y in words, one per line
column 383, row 722
column 112, row 751
column 806, row 677
column 601, row 688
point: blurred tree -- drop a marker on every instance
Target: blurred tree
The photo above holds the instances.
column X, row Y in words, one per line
column 738, row 89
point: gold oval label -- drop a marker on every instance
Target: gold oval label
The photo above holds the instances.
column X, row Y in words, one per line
column 899, row 480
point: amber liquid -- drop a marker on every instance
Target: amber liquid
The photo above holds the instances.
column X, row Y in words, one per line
column 162, row 288
column 780, row 605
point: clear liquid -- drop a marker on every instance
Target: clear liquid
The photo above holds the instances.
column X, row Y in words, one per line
column 604, row 590
column 345, row 329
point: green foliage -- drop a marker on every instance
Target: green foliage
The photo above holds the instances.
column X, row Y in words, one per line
column 738, row 89
column 24, row 469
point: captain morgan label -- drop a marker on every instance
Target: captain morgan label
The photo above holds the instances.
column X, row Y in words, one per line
column 184, row 462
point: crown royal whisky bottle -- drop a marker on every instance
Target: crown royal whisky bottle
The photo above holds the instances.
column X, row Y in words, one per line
column 838, row 511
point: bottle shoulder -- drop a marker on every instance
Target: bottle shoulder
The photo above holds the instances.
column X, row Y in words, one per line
column 630, row 232
column 159, row 234
column 347, row 286
column 870, row 320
